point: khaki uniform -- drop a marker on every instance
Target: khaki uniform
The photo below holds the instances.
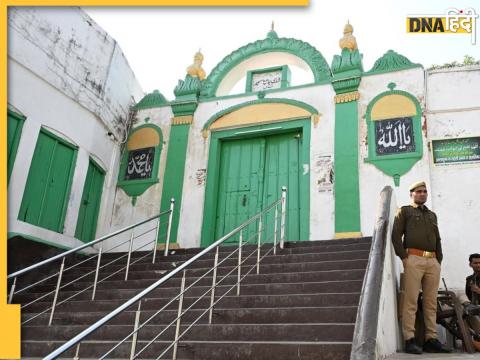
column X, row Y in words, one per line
column 418, row 227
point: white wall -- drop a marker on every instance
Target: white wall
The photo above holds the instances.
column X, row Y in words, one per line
column 454, row 111
column 66, row 74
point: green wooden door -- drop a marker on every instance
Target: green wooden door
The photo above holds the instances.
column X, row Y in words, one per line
column 14, row 130
column 282, row 168
column 241, row 184
column 90, row 205
column 48, row 185
column 252, row 172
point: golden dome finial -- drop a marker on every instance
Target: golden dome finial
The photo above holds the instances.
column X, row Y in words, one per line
column 196, row 70
column 348, row 41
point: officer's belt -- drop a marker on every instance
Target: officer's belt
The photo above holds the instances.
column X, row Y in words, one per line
column 418, row 252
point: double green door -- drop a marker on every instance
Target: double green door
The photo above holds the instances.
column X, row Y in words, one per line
column 49, row 181
column 252, row 173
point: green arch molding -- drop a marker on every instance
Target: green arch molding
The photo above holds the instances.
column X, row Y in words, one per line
column 395, row 165
column 134, row 188
column 221, row 113
column 305, row 51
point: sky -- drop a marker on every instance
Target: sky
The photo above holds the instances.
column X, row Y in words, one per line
column 159, row 43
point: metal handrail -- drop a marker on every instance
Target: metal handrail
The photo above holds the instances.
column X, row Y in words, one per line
column 63, row 256
column 138, row 298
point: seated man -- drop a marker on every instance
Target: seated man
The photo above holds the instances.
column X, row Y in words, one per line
column 471, row 301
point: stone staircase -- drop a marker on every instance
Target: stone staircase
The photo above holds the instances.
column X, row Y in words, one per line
column 303, row 305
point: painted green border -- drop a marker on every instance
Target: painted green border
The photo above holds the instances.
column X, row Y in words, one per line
column 305, row 51
column 11, row 235
column 137, row 187
column 298, row 103
column 395, row 165
column 16, row 141
column 213, row 169
column 97, row 211
column 285, row 82
column 71, row 171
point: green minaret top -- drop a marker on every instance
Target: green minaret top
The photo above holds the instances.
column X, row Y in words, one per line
column 152, row 100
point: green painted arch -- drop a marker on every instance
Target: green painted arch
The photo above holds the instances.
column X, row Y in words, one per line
column 233, row 108
column 305, row 51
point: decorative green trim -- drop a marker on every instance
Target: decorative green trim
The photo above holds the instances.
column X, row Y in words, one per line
column 298, row 103
column 12, row 154
column 184, row 108
column 213, row 173
column 390, row 62
column 153, row 100
column 395, row 165
column 11, row 235
column 346, row 184
column 347, row 71
column 188, row 88
column 134, row 188
column 173, row 179
column 286, row 75
column 305, row 51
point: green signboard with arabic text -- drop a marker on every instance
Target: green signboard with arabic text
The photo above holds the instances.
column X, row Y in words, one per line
column 454, row 151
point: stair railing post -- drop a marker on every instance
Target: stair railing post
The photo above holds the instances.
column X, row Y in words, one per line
column 275, row 225
column 284, row 210
column 96, row 273
column 177, row 327
column 57, row 289
column 135, row 329
column 12, row 291
column 259, row 240
column 130, row 246
column 214, row 284
column 239, row 273
column 157, row 233
column 169, row 229
column 77, row 352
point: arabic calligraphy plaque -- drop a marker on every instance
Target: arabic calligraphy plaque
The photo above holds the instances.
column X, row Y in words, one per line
column 267, row 80
column 394, row 136
column 140, row 164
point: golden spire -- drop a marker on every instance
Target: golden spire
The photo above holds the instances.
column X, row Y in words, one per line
column 348, row 41
column 196, row 70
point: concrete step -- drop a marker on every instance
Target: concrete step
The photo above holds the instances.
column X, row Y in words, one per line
column 332, row 314
column 204, row 350
column 146, row 278
column 229, row 301
column 202, row 332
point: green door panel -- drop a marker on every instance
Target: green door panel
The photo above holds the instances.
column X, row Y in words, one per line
column 240, row 185
column 252, row 173
column 14, row 130
column 90, row 204
column 48, row 184
column 283, row 169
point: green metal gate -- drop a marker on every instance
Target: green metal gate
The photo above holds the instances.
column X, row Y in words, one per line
column 252, row 172
column 90, row 205
column 48, row 184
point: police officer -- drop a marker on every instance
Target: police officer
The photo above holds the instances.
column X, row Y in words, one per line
column 416, row 241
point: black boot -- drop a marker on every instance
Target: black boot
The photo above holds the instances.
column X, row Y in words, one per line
column 435, row 346
column 411, row 347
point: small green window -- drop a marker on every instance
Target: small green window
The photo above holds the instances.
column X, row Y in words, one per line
column 14, row 130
